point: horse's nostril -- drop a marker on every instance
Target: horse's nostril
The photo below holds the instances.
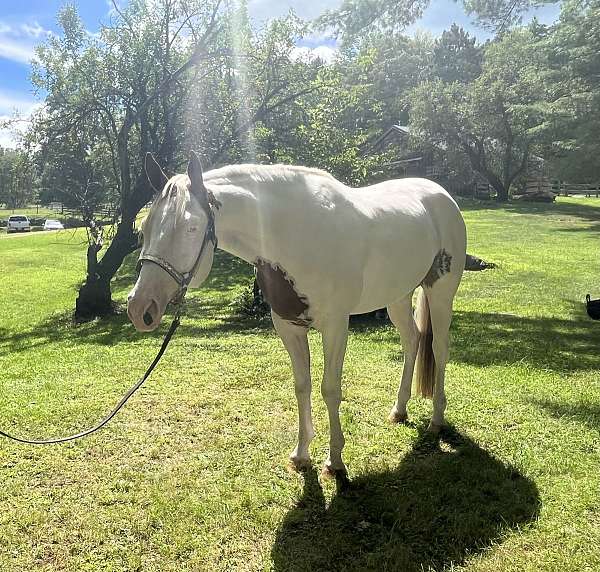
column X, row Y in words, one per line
column 148, row 319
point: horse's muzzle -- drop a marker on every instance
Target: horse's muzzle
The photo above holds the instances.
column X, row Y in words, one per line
column 145, row 315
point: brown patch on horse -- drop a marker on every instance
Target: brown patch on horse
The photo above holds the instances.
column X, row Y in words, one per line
column 439, row 267
column 279, row 290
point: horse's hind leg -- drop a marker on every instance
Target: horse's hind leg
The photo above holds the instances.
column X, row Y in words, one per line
column 401, row 315
column 296, row 343
column 440, row 298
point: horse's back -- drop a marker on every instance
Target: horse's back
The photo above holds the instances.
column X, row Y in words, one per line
column 411, row 222
column 411, row 196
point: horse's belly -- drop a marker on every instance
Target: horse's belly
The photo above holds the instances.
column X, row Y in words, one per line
column 390, row 277
column 384, row 294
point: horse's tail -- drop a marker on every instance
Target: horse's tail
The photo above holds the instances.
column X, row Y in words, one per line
column 425, row 374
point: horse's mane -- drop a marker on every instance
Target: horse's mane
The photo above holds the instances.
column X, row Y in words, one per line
column 176, row 191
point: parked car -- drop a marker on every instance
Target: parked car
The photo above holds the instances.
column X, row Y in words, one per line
column 52, row 224
column 18, row 223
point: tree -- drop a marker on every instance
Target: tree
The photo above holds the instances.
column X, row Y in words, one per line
column 163, row 77
column 131, row 82
column 496, row 120
column 250, row 98
column 456, row 56
column 500, row 15
column 357, row 18
column 574, row 45
column 17, row 178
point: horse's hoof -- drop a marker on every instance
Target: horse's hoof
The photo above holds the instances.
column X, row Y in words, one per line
column 342, row 480
column 299, row 464
column 328, row 472
column 434, row 428
column 397, row 417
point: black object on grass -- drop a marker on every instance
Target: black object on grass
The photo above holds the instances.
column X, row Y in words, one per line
column 593, row 308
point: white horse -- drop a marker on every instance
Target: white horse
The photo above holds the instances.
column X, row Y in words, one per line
column 323, row 251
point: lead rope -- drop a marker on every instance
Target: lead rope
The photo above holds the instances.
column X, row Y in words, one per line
column 115, row 410
column 178, row 301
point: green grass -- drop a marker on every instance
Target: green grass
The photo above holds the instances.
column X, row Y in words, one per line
column 192, row 475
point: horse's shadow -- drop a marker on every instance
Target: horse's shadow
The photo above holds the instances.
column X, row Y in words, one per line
column 446, row 501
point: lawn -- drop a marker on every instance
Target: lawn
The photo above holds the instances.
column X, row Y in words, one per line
column 192, row 475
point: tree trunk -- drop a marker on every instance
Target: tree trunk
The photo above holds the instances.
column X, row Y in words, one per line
column 95, row 299
column 502, row 195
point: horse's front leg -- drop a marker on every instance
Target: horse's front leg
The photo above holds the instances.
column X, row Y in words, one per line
column 335, row 337
column 295, row 341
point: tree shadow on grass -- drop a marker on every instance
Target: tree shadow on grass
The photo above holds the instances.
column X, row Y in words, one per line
column 585, row 413
column 227, row 272
column 477, row 338
column 447, row 500
column 546, row 343
column 226, row 275
column 118, row 329
column 585, row 212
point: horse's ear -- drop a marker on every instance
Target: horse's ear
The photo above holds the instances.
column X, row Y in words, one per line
column 194, row 171
column 155, row 174
column 206, row 197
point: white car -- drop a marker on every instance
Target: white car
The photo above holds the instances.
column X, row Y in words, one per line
column 52, row 224
column 17, row 223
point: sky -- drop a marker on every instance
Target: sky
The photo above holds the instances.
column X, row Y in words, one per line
column 26, row 23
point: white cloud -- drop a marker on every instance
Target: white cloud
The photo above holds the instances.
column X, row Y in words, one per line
column 319, row 38
column 11, row 102
column 325, row 53
column 17, row 43
column 34, row 30
column 15, row 106
column 16, row 51
column 8, row 138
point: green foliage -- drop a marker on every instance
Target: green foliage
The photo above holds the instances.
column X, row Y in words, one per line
column 355, row 18
column 18, row 183
column 574, row 66
column 456, row 56
column 250, row 94
column 336, row 127
column 500, row 15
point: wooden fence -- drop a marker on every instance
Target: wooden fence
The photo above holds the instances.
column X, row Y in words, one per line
column 106, row 212
column 566, row 189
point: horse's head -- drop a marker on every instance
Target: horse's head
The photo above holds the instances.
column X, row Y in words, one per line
column 178, row 243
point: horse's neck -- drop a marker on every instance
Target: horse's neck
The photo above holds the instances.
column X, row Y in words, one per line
column 237, row 222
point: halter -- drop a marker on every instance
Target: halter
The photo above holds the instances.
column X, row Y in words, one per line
column 183, row 279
